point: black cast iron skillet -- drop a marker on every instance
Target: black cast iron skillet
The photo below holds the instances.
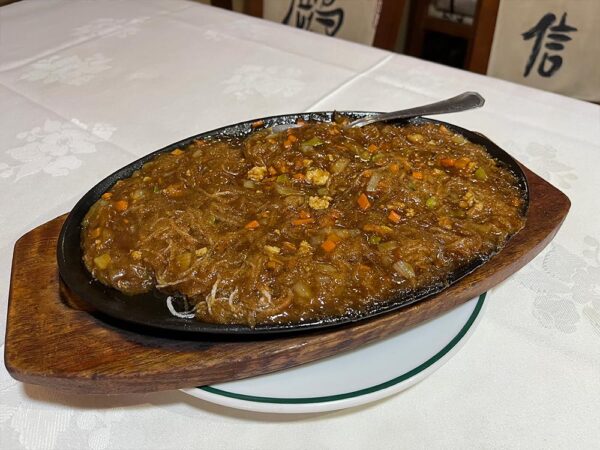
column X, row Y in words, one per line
column 149, row 310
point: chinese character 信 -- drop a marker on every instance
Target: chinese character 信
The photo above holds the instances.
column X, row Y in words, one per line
column 302, row 12
column 550, row 63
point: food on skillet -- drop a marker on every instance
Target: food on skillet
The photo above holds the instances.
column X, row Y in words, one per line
column 310, row 223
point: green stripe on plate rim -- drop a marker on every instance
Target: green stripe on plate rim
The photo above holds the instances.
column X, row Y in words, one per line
column 330, row 398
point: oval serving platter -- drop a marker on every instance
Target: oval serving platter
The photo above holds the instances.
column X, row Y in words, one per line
column 149, row 310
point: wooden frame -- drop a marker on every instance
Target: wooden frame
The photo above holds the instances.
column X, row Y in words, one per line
column 479, row 36
column 388, row 25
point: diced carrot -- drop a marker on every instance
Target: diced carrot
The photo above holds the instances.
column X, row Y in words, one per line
column 461, row 163
column 299, row 176
column 394, row 168
column 334, row 238
column 252, row 225
column 281, row 167
column 304, row 214
column 447, row 162
column 372, row 148
column 292, row 138
column 272, row 170
column 107, row 195
column 394, row 217
column 328, row 245
column 174, row 190
column 367, row 173
column 379, row 229
column 417, row 175
column 121, row 205
column 287, row 143
column 177, row 152
column 288, row 247
column 258, row 123
column 303, row 221
column 363, row 201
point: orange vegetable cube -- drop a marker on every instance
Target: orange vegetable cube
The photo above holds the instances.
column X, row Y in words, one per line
column 328, row 245
column 252, row 225
column 121, row 205
column 394, row 217
column 334, row 238
column 306, row 221
column 447, row 162
column 363, row 201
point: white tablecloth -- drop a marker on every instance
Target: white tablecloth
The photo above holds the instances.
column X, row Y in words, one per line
column 88, row 86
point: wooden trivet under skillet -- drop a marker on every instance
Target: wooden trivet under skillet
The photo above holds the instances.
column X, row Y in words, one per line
column 53, row 340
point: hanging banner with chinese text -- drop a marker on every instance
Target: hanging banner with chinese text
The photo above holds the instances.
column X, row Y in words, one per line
column 552, row 45
column 353, row 20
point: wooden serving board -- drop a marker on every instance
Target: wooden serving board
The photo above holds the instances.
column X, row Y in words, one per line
column 52, row 340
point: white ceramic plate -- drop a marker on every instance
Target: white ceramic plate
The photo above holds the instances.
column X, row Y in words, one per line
column 356, row 377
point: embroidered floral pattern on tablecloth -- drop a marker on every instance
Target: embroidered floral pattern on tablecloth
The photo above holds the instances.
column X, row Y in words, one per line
column 70, row 70
column 272, row 81
column 215, row 36
column 53, row 148
column 251, row 29
column 99, row 426
column 545, row 160
column 120, row 28
column 566, row 285
column 35, row 428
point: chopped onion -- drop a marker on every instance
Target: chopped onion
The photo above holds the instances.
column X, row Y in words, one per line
column 139, row 193
column 249, row 184
column 285, row 190
column 389, row 245
column 326, row 268
column 301, row 289
column 458, row 139
column 339, row 165
column 404, row 269
column 373, row 182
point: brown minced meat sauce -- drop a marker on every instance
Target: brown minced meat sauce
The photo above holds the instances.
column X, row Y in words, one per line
column 311, row 223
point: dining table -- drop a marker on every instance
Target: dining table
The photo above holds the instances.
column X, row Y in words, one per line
column 87, row 87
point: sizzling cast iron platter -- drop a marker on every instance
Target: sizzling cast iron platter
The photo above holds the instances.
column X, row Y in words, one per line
column 149, row 309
